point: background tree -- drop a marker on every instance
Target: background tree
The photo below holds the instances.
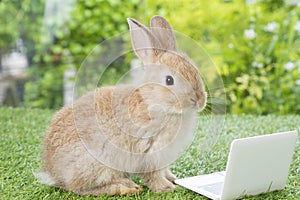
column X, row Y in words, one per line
column 92, row 21
column 8, row 35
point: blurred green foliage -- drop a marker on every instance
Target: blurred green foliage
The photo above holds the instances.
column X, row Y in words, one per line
column 20, row 19
column 255, row 46
column 7, row 34
column 92, row 22
column 264, row 69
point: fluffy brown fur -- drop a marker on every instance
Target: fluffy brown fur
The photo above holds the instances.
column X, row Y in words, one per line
column 92, row 146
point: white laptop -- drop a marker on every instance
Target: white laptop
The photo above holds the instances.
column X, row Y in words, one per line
column 255, row 165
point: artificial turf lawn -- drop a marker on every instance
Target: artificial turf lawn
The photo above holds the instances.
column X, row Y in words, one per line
column 22, row 131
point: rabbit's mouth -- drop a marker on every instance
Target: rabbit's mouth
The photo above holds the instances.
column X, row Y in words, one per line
column 194, row 102
column 199, row 101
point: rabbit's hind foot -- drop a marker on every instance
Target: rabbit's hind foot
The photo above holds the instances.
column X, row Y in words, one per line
column 120, row 186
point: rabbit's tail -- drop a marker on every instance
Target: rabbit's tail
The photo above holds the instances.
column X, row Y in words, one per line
column 44, row 178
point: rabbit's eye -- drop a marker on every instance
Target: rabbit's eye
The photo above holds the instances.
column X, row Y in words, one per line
column 169, row 80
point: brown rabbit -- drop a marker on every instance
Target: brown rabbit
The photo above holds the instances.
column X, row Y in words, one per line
column 92, row 146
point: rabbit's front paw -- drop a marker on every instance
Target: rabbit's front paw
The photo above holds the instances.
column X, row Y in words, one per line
column 124, row 187
column 159, row 181
column 170, row 176
column 161, row 185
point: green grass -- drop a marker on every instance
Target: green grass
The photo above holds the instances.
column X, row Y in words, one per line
column 22, row 131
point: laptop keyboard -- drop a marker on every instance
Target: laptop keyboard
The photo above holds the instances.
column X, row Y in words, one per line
column 214, row 188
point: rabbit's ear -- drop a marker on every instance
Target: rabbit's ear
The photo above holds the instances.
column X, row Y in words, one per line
column 144, row 43
column 163, row 32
